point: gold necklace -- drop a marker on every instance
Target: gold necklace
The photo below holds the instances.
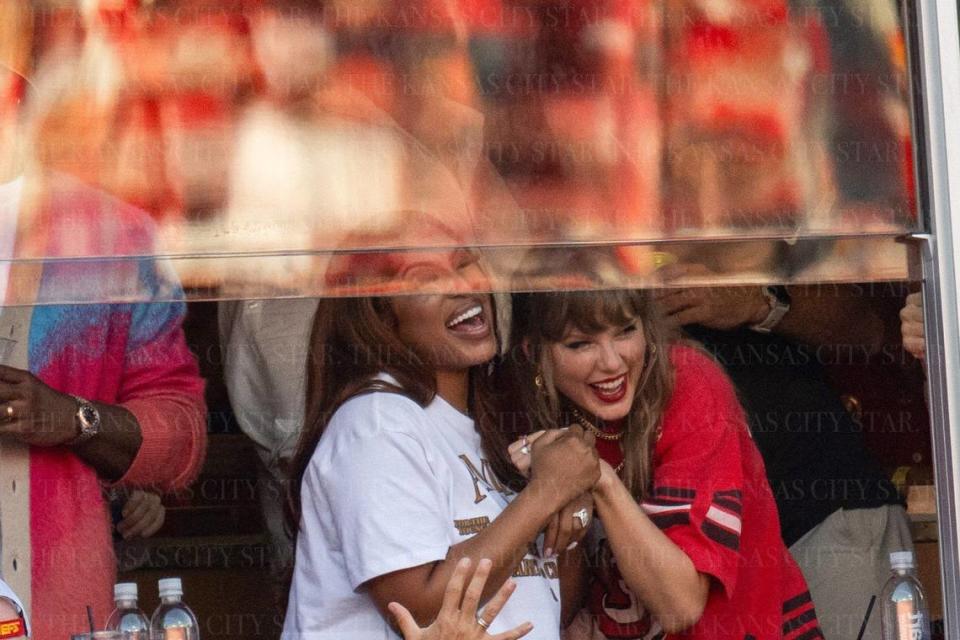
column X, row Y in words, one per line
column 586, row 424
column 603, row 435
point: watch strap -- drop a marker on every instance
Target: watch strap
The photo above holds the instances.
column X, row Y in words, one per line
column 778, row 309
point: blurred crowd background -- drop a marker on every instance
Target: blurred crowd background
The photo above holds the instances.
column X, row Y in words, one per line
column 284, row 127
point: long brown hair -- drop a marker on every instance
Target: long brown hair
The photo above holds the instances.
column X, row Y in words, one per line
column 352, row 341
column 541, row 319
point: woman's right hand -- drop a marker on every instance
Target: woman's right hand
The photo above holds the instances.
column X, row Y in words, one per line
column 564, row 464
column 458, row 618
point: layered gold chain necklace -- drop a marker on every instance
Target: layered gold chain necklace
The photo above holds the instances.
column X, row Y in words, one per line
column 600, row 433
column 589, row 426
column 609, row 437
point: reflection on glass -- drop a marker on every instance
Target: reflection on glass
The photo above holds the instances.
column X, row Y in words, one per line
column 281, row 130
column 877, row 258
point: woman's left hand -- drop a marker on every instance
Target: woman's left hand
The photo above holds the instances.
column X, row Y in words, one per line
column 458, row 618
column 565, row 530
column 520, row 452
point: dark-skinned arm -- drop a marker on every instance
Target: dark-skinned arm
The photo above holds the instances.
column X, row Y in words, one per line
column 831, row 314
column 112, row 451
column 562, row 469
column 505, row 542
column 818, row 315
column 38, row 415
column 574, row 573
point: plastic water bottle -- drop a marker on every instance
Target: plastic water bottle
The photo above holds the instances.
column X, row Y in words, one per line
column 905, row 614
column 127, row 617
column 173, row 620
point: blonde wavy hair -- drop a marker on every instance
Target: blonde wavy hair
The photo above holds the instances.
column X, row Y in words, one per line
column 542, row 319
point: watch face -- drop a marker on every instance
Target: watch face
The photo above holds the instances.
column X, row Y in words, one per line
column 88, row 415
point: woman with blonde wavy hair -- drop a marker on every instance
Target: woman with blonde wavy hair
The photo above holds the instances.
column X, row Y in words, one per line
column 686, row 542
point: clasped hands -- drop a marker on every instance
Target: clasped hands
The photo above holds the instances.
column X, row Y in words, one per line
column 565, row 463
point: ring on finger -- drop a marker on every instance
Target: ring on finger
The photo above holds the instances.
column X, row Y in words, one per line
column 583, row 517
column 524, row 446
column 483, row 623
column 8, row 411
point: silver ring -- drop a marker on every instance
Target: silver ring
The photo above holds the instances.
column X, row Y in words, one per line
column 483, row 623
column 583, row 516
column 524, row 448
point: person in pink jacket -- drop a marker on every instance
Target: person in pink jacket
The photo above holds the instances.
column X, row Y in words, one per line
column 92, row 395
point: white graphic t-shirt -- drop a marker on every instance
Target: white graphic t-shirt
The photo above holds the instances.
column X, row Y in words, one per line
column 392, row 486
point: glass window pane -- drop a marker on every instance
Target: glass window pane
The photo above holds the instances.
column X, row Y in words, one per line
column 249, row 143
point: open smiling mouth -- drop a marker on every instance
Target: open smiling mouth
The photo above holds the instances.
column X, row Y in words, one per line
column 610, row 390
column 470, row 321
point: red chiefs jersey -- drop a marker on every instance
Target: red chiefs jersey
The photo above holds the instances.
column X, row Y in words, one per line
column 710, row 496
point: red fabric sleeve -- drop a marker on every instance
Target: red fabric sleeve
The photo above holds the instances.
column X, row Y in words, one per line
column 698, row 485
column 163, row 389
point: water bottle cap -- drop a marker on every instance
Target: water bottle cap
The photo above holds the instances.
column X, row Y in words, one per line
column 902, row 560
column 125, row 591
column 170, row 587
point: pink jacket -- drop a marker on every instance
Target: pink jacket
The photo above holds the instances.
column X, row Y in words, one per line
column 132, row 354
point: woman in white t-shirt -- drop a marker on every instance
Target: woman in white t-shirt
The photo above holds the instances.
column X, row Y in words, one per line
column 393, row 483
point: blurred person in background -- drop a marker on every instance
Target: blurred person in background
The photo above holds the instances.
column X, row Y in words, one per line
column 317, row 171
column 867, row 89
column 264, row 344
column 93, row 394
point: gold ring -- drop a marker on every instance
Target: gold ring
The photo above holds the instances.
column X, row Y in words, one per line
column 483, row 623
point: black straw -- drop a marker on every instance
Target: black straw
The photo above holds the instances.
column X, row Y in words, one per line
column 90, row 618
column 866, row 618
